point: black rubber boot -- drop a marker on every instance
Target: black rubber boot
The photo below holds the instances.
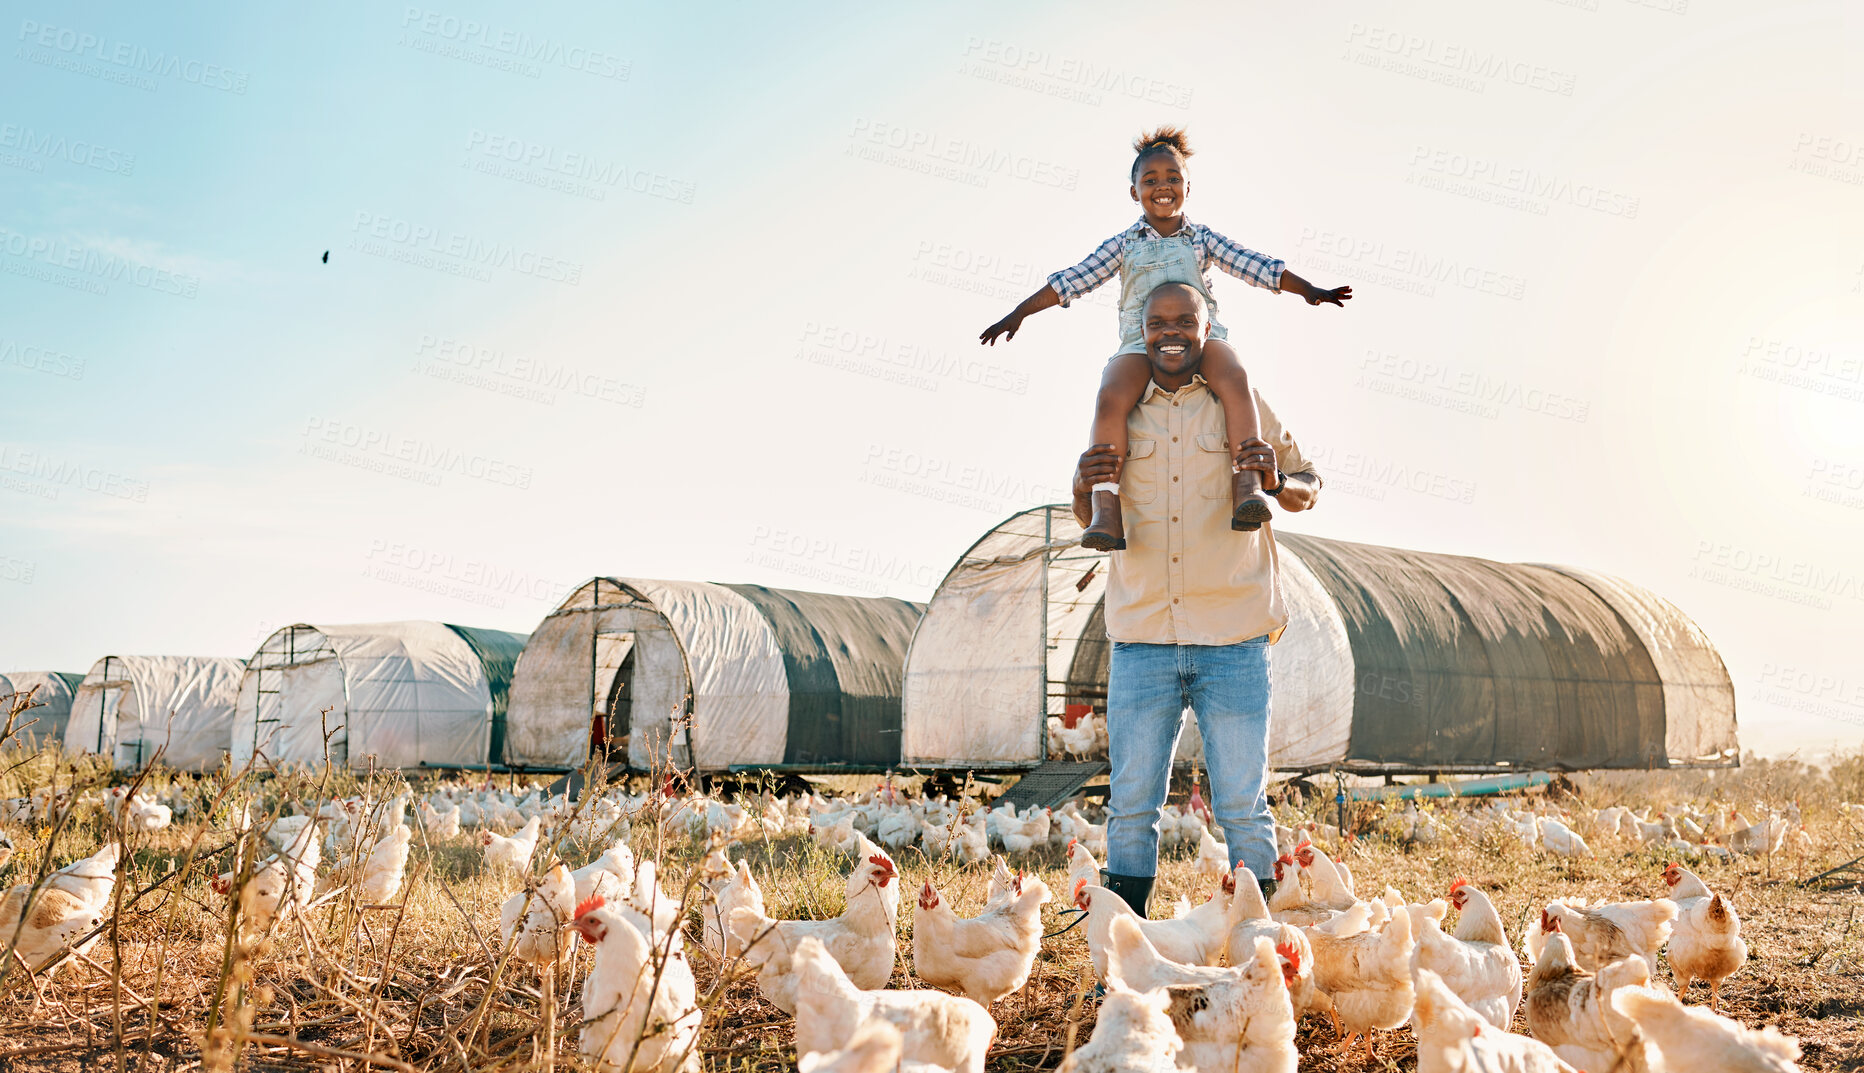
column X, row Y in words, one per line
column 1136, row 890
column 1268, row 888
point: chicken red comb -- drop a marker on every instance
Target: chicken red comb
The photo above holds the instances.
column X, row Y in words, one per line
column 1071, row 843
column 1229, row 883
column 1459, row 883
column 881, row 860
column 1306, row 843
column 589, row 904
column 1670, row 864
column 1290, row 952
column 1017, row 883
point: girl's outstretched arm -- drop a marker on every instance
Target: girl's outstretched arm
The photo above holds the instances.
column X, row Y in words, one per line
column 1293, row 284
column 1035, row 303
column 1063, row 287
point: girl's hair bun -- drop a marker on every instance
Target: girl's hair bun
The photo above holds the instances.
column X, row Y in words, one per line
column 1164, row 139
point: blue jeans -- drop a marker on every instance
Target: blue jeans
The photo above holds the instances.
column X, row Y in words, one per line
column 1149, row 687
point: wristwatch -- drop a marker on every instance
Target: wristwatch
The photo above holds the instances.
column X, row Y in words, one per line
column 1281, row 483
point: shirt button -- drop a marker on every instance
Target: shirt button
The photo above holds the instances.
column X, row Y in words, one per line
column 1174, row 517
column 1174, row 439
column 1174, row 558
column 1174, row 404
column 1174, row 599
column 1174, row 480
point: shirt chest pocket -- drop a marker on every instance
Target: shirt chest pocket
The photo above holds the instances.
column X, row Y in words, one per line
column 1139, row 479
column 1213, row 466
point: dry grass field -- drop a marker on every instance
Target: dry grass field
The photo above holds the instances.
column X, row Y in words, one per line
column 423, row 982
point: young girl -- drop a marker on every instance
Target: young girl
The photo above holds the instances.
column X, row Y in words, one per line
column 1164, row 247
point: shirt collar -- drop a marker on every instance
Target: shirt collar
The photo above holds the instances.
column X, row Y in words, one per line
column 1144, row 229
column 1153, row 388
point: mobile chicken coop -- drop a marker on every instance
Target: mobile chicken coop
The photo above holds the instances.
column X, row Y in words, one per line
column 128, row 707
column 44, row 723
column 396, row 694
column 711, row 677
column 1393, row 662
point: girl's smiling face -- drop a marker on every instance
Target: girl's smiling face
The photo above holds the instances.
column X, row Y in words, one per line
column 1160, row 187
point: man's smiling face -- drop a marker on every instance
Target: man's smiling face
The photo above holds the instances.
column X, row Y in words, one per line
column 1176, row 323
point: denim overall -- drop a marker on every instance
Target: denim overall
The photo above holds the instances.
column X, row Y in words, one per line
column 1144, row 264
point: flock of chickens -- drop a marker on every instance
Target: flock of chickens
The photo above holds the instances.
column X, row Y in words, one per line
column 1220, row 985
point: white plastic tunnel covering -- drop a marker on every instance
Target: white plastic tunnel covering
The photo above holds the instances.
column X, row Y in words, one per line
column 128, row 707
column 1016, row 632
column 1393, row 660
column 403, row 694
column 45, row 722
column 712, row 676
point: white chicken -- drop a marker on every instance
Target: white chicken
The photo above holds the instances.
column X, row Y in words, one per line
column 511, row 853
column 388, row 860
column 1132, row 1034
column 861, row 939
column 280, row 885
column 1079, row 741
column 1229, row 1019
column 1560, row 840
column 1198, row 938
column 93, row 878
column 1213, row 857
column 1082, row 867
column 1291, row 902
column 936, row 1028
column 987, row 956
column 1368, row 976
column 1698, row 1041
column 611, row 875
column 1706, row 944
column 1249, row 920
column 1567, row 1007
column 1601, row 934
column 1756, row 839
column 1327, row 884
column 57, row 918
column 740, row 889
column 874, row 1048
column 147, row 815
column 973, row 845
column 660, row 911
column 440, row 823
column 532, row 922
column 897, row 829
column 1452, row 1038
column 839, row 836
column 1003, row 883
column 1025, row 834
column 1476, row 961
column 640, row 1004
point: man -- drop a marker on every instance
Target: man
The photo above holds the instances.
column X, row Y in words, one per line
column 1192, row 605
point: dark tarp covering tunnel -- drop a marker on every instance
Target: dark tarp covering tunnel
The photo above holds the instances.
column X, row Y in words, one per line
column 721, row 676
column 1393, row 660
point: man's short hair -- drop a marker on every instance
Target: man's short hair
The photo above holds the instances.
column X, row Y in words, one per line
column 1195, row 294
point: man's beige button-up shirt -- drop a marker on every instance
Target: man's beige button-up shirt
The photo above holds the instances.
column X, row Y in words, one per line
column 1186, row 577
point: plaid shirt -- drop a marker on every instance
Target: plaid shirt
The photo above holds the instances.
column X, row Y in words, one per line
column 1212, row 248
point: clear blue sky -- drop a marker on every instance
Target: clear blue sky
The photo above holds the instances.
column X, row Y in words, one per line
column 693, row 292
